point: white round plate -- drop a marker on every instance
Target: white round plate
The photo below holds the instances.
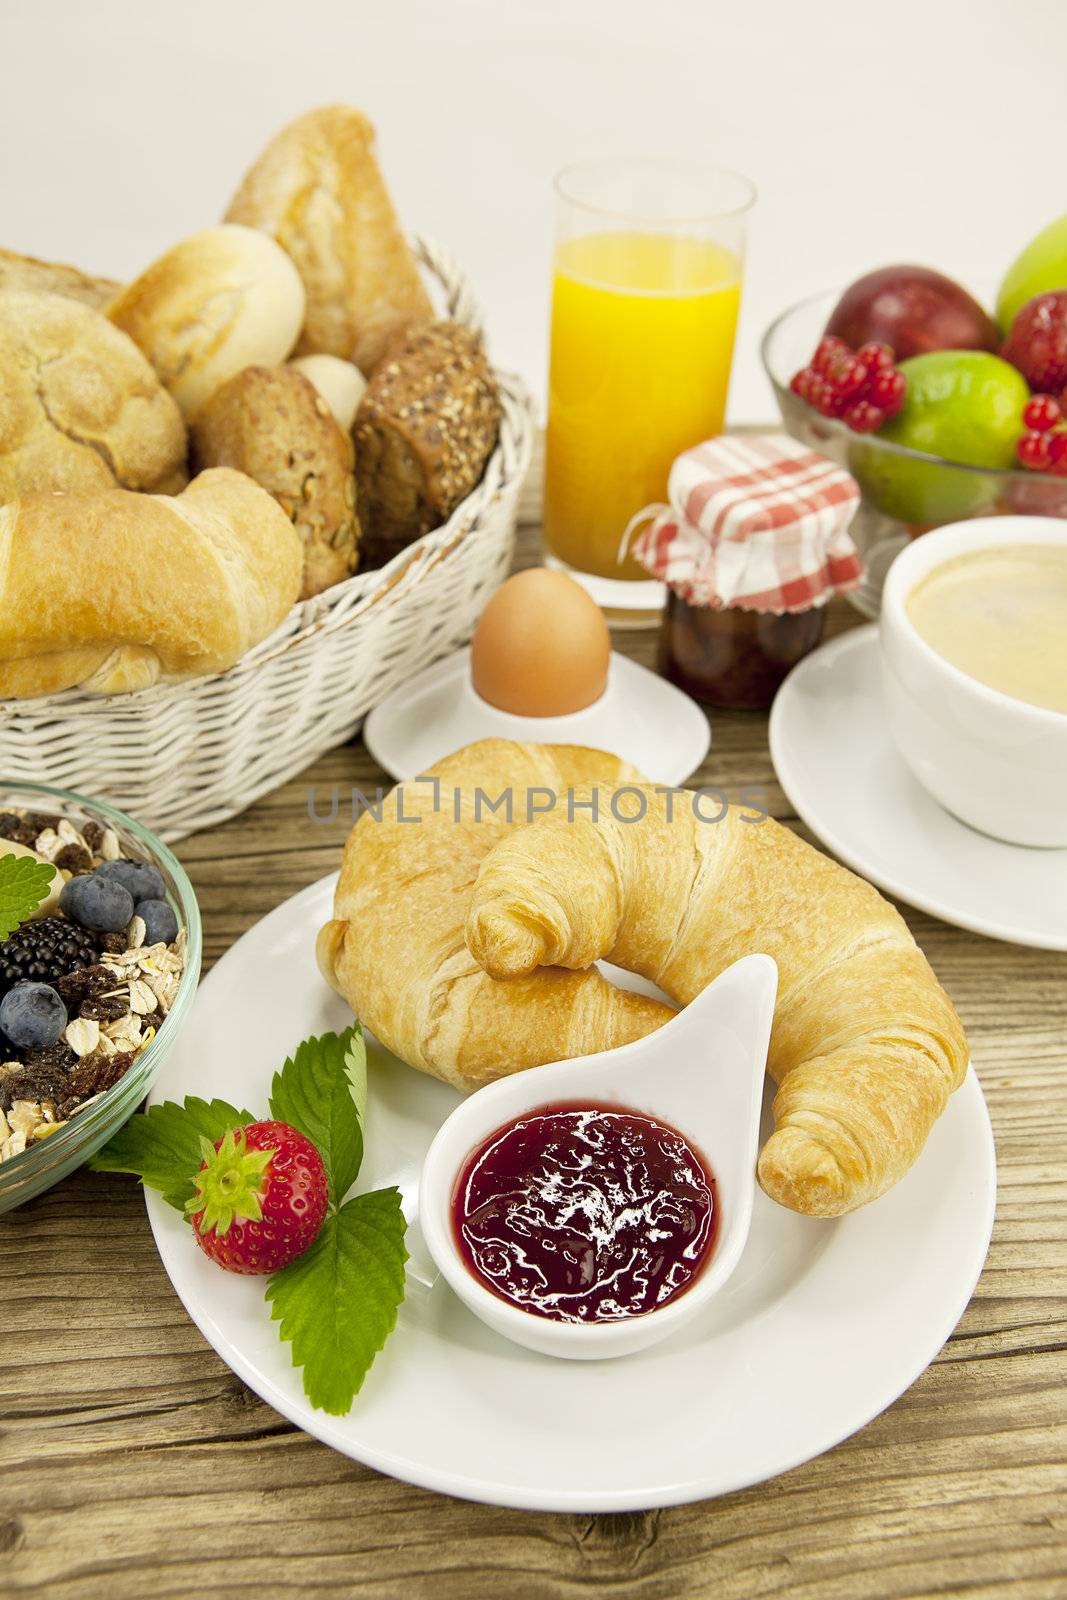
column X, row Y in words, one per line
column 640, row 717
column 837, row 763
column 822, row 1325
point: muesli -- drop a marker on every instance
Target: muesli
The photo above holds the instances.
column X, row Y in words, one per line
column 87, row 982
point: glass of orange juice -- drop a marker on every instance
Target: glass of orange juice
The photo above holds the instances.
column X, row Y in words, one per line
column 646, row 289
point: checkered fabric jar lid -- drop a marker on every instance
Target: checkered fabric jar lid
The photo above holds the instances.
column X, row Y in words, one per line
column 754, row 521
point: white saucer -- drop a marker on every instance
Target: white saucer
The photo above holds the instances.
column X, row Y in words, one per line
column 820, row 1327
column 639, row 717
column 838, row 765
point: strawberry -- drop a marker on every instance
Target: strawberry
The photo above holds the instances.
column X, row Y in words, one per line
column 261, row 1197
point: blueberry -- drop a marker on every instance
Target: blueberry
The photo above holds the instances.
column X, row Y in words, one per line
column 32, row 1016
column 141, row 878
column 160, row 923
column 97, row 903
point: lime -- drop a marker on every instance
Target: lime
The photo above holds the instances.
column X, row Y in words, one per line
column 963, row 405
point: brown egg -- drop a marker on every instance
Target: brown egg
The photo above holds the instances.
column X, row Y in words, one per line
column 541, row 647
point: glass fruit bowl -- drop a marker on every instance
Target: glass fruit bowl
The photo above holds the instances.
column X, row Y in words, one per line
column 905, row 492
column 42, row 1164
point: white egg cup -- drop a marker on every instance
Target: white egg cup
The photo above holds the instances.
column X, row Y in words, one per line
column 640, row 718
column 702, row 1073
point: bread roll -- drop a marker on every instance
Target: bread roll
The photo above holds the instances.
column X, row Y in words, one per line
column 219, row 301
column 340, row 384
column 318, row 191
column 111, row 590
column 80, row 407
column 272, row 423
column 53, row 277
column 424, row 431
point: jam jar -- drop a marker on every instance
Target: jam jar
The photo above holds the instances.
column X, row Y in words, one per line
column 730, row 657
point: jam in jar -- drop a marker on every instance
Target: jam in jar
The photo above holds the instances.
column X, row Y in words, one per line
column 730, row 657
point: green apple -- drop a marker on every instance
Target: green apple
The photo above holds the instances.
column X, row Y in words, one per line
column 1041, row 266
column 964, row 406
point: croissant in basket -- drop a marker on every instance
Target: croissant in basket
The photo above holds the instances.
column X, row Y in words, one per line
column 467, row 947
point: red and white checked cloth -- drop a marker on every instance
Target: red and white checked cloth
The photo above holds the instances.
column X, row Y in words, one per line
column 754, row 521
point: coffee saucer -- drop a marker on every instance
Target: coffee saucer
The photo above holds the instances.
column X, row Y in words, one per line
column 639, row 717
column 838, row 765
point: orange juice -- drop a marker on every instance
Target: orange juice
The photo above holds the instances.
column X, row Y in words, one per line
column 642, row 337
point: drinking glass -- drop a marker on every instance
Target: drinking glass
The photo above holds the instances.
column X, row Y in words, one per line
column 646, row 288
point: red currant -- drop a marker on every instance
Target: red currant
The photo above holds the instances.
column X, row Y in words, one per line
column 876, row 356
column 847, row 377
column 1042, row 413
column 887, row 389
column 1033, row 451
column 825, row 352
column 823, row 398
column 1057, row 454
column 863, row 417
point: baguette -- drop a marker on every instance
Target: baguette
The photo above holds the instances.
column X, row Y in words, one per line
column 109, row 591
column 318, row 191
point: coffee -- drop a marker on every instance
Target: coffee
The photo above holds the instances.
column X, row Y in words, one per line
column 1000, row 615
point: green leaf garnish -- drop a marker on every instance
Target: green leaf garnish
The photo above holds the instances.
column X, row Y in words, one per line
column 337, row 1303
column 24, row 883
column 322, row 1091
column 162, row 1145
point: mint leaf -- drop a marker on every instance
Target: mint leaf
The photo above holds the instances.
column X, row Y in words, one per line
column 162, row 1145
column 316, row 1092
column 24, row 883
column 336, row 1304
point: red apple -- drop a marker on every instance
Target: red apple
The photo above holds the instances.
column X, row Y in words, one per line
column 913, row 310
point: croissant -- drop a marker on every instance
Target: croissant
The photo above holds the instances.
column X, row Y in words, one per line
column 395, row 948
column 866, row 1046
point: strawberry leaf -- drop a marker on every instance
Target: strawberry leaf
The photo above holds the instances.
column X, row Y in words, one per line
column 162, row 1145
column 24, row 883
column 322, row 1091
column 337, row 1303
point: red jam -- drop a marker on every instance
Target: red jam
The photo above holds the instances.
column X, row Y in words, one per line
column 585, row 1213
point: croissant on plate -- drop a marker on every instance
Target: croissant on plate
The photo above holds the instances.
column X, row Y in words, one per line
column 866, row 1046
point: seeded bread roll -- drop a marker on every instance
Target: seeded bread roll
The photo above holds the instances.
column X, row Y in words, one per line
column 111, row 590
column 80, row 407
column 318, row 191
column 424, row 431
column 53, row 277
column 271, row 423
column 214, row 304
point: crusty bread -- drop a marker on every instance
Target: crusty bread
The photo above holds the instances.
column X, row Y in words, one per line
column 80, row 407
column 272, row 423
column 424, row 430
column 53, row 277
column 340, row 383
column 318, row 191
column 111, row 590
column 215, row 303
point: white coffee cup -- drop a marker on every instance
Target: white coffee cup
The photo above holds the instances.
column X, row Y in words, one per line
column 995, row 762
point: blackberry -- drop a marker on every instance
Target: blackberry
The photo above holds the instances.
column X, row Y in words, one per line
column 40, row 952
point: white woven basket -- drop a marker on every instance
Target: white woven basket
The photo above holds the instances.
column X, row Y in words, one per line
column 189, row 754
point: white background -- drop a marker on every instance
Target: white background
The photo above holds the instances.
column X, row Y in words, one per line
column 924, row 130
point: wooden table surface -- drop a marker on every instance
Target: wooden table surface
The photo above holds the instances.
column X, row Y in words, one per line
column 134, row 1463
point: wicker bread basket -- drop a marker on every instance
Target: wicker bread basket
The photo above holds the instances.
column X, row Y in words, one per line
column 188, row 754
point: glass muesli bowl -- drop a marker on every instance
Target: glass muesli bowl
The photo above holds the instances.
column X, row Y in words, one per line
column 44, row 1163
column 905, row 492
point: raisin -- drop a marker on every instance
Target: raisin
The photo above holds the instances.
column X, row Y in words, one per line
column 73, row 858
column 114, row 944
column 93, row 834
column 93, row 1075
column 104, row 1008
